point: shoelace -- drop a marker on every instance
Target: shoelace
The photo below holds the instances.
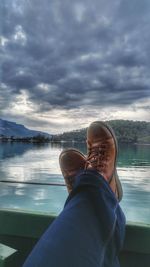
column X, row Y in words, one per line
column 96, row 157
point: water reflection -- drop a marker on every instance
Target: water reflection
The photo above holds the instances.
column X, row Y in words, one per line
column 12, row 149
column 128, row 154
column 47, row 199
column 28, row 162
column 132, row 155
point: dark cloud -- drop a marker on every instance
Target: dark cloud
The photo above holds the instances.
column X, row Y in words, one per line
column 83, row 52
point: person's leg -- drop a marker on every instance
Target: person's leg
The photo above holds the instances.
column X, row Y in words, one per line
column 89, row 231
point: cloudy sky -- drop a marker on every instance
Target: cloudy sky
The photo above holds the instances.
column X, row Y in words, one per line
column 67, row 63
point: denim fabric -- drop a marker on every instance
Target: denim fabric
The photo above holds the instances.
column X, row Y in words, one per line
column 89, row 232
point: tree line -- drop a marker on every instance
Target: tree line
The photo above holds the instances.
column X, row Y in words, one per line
column 34, row 139
column 126, row 132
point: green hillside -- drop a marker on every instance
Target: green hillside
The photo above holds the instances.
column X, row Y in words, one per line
column 126, row 132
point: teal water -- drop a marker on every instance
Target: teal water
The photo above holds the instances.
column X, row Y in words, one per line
column 28, row 162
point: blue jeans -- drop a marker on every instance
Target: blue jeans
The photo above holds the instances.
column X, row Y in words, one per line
column 89, row 232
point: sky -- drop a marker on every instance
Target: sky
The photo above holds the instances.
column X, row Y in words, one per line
column 67, row 63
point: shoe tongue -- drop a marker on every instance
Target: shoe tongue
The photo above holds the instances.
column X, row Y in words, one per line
column 97, row 143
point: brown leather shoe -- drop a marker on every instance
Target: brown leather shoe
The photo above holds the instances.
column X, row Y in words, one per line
column 71, row 161
column 102, row 154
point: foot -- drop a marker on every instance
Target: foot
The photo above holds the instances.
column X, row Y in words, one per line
column 102, row 154
column 71, row 161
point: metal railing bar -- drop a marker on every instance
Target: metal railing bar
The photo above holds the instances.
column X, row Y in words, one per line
column 32, row 183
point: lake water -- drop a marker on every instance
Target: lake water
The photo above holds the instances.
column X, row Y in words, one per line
column 22, row 162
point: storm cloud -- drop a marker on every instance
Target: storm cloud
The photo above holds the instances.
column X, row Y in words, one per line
column 73, row 55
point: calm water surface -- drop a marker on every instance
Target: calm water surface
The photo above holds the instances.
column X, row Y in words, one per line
column 28, row 162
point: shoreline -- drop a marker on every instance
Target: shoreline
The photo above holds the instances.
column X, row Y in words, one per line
column 26, row 141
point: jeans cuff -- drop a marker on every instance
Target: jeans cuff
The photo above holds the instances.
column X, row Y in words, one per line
column 87, row 179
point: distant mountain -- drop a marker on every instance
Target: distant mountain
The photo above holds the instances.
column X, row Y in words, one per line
column 9, row 129
column 126, row 132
